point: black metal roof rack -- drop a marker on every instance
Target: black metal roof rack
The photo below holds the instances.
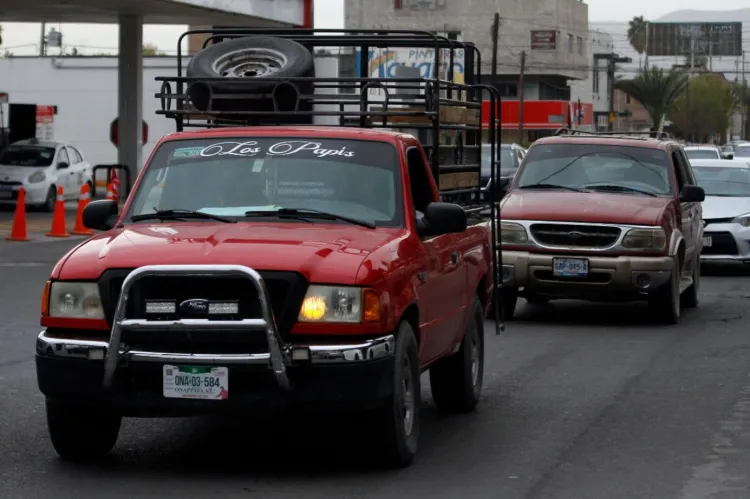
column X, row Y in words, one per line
column 631, row 135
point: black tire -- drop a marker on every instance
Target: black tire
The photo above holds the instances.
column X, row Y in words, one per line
column 81, row 433
column 398, row 439
column 534, row 299
column 690, row 298
column 295, row 61
column 509, row 301
column 456, row 381
column 51, row 200
column 665, row 303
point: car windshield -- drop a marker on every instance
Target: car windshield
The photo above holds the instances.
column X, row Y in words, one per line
column 505, row 154
column 742, row 151
column 596, row 167
column 232, row 176
column 27, row 155
column 723, row 181
column 702, row 153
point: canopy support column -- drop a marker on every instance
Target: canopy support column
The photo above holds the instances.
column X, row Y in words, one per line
column 130, row 92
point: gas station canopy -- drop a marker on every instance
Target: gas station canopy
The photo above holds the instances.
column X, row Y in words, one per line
column 205, row 12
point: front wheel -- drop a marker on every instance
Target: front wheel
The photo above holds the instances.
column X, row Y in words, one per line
column 690, row 298
column 398, row 423
column 456, row 381
column 81, row 433
column 508, row 302
column 51, row 200
column 666, row 301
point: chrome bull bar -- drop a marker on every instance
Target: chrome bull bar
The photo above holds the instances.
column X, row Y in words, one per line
column 267, row 324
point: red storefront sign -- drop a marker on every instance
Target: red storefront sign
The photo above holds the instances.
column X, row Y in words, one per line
column 541, row 114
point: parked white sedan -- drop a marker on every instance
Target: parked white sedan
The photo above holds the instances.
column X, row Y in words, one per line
column 41, row 167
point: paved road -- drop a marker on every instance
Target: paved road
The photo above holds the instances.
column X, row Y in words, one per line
column 37, row 221
column 613, row 409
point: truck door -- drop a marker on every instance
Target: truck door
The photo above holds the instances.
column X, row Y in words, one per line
column 440, row 284
column 688, row 211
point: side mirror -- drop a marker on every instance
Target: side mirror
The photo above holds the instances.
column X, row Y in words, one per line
column 100, row 215
column 62, row 165
column 444, row 218
column 692, row 194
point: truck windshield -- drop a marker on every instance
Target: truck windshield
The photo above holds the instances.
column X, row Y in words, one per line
column 27, row 156
column 597, row 167
column 230, row 177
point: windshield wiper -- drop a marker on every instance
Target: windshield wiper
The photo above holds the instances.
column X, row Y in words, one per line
column 551, row 186
column 619, row 188
column 180, row 214
column 303, row 213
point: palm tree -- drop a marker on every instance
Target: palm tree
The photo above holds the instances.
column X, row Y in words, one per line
column 637, row 35
column 656, row 89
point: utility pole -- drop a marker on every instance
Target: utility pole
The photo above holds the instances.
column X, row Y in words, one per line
column 611, row 89
column 520, row 96
column 746, row 121
column 42, row 43
column 495, row 35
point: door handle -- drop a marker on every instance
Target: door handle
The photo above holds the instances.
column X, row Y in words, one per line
column 454, row 256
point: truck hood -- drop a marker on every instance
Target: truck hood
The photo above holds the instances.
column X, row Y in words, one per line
column 321, row 252
column 592, row 207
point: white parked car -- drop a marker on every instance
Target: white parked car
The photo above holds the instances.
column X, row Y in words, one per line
column 726, row 209
column 41, row 167
column 703, row 152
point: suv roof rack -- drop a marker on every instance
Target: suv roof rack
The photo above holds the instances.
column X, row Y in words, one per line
column 631, row 135
column 445, row 116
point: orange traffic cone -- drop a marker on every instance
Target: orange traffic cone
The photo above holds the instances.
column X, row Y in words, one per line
column 110, row 192
column 58, row 228
column 18, row 232
column 83, row 199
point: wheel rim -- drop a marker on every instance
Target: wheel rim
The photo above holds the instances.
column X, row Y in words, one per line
column 474, row 362
column 249, row 63
column 407, row 389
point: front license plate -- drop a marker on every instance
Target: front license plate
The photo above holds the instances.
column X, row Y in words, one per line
column 707, row 242
column 196, row 382
column 570, row 267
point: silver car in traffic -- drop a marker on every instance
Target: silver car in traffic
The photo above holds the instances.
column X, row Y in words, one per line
column 726, row 209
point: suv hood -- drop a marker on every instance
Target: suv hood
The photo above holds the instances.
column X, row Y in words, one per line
column 321, row 252
column 593, row 207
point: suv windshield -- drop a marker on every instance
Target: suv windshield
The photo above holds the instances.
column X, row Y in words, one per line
column 723, row 181
column 232, row 176
column 702, row 154
column 22, row 155
column 505, row 154
column 592, row 166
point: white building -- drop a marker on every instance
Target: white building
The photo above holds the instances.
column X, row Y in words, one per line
column 595, row 87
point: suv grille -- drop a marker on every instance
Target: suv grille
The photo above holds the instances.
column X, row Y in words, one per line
column 583, row 236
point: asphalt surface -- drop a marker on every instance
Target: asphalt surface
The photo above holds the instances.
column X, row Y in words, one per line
column 618, row 409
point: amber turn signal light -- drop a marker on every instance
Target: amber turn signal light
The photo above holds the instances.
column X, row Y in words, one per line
column 370, row 306
column 45, row 299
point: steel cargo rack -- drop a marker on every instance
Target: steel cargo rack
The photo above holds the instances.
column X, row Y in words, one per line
column 445, row 115
column 630, row 135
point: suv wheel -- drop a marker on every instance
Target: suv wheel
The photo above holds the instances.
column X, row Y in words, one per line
column 666, row 301
column 690, row 297
column 81, row 433
column 509, row 300
column 456, row 381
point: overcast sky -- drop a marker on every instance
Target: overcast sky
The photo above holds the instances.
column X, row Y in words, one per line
column 22, row 39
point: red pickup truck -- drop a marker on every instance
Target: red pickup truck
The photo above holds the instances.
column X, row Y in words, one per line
column 265, row 267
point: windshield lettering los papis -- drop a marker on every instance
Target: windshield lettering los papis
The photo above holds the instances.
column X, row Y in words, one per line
column 251, row 178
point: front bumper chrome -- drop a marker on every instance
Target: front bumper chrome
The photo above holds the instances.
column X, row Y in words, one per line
column 280, row 355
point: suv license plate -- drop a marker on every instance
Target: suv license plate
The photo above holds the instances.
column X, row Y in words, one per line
column 708, row 242
column 195, row 382
column 570, row 267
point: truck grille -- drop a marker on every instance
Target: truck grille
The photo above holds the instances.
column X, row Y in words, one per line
column 583, row 236
column 722, row 243
column 286, row 290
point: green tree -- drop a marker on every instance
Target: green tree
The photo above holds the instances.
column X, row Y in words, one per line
column 656, row 89
column 150, row 50
column 637, row 35
column 705, row 108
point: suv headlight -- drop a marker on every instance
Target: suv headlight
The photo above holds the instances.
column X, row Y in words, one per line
column 645, row 239
column 513, row 233
column 346, row 304
column 77, row 300
column 37, row 177
column 743, row 220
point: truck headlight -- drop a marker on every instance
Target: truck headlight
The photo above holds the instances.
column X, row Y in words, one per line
column 76, row 300
column 645, row 239
column 37, row 177
column 743, row 220
column 347, row 304
column 513, row 233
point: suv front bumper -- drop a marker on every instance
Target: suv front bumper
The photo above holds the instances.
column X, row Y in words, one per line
column 627, row 276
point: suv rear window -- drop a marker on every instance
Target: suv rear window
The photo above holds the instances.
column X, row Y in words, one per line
column 588, row 166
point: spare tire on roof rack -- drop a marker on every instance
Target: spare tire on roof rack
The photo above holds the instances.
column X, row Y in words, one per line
column 254, row 60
